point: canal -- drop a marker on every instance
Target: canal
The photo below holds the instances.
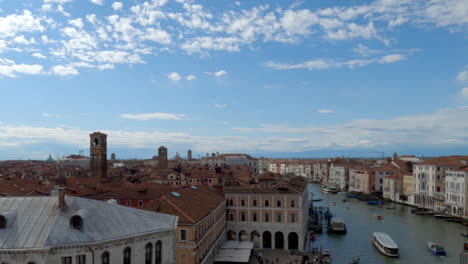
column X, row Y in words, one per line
column 411, row 232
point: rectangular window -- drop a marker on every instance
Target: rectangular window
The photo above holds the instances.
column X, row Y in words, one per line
column 267, row 217
column 293, row 203
column 129, row 203
column 254, row 202
column 267, row 203
column 66, row 260
column 243, row 217
column 254, row 217
column 242, row 202
column 278, row 218
column 183, row 234
column 140, row 203
column 81, row 259
column 293, row 218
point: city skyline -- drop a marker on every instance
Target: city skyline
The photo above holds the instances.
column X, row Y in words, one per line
column 289, row 79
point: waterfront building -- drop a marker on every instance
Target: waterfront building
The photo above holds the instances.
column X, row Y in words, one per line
column 381, row 171
column 201, row 228
column 456, row 187
column 66, row 229
column 429, row 177
column 392, row 186
column 338, row 177
column 272, row 216
column 407, row 195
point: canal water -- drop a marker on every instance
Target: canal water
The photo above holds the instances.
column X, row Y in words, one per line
column 411, row 232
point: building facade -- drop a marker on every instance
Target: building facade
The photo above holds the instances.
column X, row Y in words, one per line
column 457, row 192
column 272, row 217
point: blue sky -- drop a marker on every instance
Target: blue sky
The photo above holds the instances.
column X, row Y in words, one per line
column 285, row 78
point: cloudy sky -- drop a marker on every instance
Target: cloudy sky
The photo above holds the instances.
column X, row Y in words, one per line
column 273, row 78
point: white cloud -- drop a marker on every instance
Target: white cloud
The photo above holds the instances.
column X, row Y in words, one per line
column 218, row 73
column 202, row 44
column 438, row 129
column 26, row 22
column 323, row 64
column 9, row 68
column 326, row 111
column 64, row 70
column 48, row 115
column 220, row 105
column 149, row 116
column 462, row 76
column 39, row 55
column 174, row 76
column 76, row 22
column 191, row 77
column 117, row 6
column 98, row 2
column 464, row 93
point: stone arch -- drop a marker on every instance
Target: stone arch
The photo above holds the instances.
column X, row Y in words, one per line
column 243, row 236
column 255, row 238
column 279, row 240
column 293, row 241
column 266, row 239
column 231, row 235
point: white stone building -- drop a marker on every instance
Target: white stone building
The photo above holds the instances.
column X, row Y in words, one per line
column 429, row 180
column 456, row 188
column 338, row 177
column 70, row 230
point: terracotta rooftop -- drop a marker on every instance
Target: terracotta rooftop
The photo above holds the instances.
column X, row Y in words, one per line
column 190, row 204
column 294, row 185
column 447, row 161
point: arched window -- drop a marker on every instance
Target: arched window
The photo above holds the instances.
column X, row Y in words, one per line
column 148, row 253
column 127, row 256
column 159, row 252
column 105, row 258
column 77, row 222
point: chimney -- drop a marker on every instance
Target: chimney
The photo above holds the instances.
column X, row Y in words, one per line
column 61, row 196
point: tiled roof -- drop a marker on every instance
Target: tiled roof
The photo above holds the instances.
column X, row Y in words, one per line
column 191, row 205
column 446, row 161
column 295, row 185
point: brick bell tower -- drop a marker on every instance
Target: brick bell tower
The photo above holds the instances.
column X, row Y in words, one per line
column 98, row 151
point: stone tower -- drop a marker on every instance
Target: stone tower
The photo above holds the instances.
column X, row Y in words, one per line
column 98, row 150
column 162, row 157
column 189, row 154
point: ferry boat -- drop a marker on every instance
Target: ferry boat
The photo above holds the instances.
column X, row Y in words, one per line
column 337, row 226
column 385, row 244
column 326, row 256
column 435, row 249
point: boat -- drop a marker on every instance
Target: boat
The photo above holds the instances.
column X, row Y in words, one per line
column 355, row 261
column 441, row 216
column 337, row 226
column 435, row 249
column 378, row 217
column 344, row 200
column 326, row 256
column 329, row 190
column 376, row 202
column 385, row 244
column 352, row 195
